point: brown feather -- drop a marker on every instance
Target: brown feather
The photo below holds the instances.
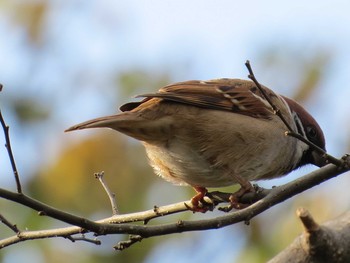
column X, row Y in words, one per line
column 235, row 95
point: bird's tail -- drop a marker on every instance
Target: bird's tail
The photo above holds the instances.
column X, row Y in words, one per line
column 112, row 121
column 128, row 123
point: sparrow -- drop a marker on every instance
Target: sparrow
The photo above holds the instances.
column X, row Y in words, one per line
column 217, row 133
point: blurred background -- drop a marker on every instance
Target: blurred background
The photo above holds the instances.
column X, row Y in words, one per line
column 64, row 62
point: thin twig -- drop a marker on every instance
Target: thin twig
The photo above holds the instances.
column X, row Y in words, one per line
column 49, row 211
column 52, row 212
column 9, row 150
column 290, row 131
column 111, row 195
column 275, row 109
column 127, row 243
column 7, row 223
column 84, row 238
column 115, row 224
column 328, row 157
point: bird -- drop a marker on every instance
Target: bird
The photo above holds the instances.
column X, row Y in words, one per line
column 217, row 133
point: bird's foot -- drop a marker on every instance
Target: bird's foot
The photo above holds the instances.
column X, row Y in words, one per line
column 235, row 198
column 198, row 204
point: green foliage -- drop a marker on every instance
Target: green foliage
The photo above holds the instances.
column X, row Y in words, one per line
column 30, row 110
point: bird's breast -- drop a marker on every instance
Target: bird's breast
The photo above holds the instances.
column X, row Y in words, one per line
column 181, row 165
column 211, row 148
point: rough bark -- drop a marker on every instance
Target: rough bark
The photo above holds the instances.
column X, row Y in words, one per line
column 329, row 242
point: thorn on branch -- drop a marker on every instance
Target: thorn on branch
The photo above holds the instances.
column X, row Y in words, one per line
column 127, row 243
column 319, row 242
column 309, row 223
column 42, row 213
column 156, row 210
column 110, row 195
column 180, row 223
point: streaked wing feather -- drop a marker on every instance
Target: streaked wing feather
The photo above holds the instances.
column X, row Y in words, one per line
column 239, row 96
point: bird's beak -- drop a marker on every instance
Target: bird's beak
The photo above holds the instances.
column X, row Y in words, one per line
column 318, row 159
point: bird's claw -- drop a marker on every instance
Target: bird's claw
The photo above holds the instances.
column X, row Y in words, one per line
column 198, row 203
column 235, row 199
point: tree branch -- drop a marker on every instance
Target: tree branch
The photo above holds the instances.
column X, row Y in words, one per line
column 273, row 106
column 9, row 151
column 120, row 224
column 82, row 237
column 8, row 223
column 109, row 193
column 319, row 243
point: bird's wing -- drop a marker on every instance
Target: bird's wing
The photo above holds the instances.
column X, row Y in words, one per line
column 235, row 95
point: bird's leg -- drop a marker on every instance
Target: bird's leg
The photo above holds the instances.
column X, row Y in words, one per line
column 201, row 192
column 198, row 202
column 246, row 187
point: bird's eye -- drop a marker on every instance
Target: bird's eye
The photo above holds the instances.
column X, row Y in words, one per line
column 311, row 131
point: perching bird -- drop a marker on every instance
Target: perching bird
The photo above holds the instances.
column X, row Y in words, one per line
column 217, row 133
